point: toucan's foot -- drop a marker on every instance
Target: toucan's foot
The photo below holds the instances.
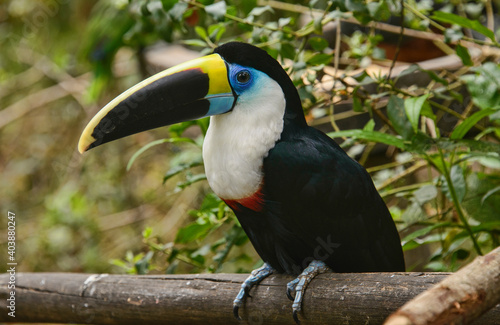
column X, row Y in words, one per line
column 257, row 275
column 298, row 286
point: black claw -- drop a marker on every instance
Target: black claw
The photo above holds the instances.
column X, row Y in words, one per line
column 247, row 292
column 289, row 294
column 296, row 317
column 235, row 312
column 255, row 278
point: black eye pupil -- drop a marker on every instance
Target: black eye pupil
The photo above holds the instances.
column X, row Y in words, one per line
column 243, row 76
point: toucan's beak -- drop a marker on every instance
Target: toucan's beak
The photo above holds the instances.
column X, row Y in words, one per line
column 189, row 91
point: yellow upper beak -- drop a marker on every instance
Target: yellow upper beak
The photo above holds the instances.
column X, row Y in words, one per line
column 188, row 91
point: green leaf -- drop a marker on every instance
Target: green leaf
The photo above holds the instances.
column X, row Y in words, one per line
column 357, row 105
column 489, row 193
column 424, row 231
column 412, row 244
column 215, row 32
column 318, row 43
column 192, row 232
column 435, row 77
column 210, row 202
column 453, row 34
column 334, row 14
column 427, row 112
column 411, row 69
column 461, row 130
column 483, row 197
column 318, row 25
column 355, row 5
column 257, row 11
column 142, row 265
column 320, row 58
column 397, row 116
column 425, row 194
column 437, row 266
column 120, row 263
column 460, row 254
column 287, row 51
column 369, row 126
column 284, row 21
column 247, row 6
column 379, row 10
column 473, row 145
column 484, row 86
column 413, row 214
column 168, row 4
column 217, row 10
column 146, row 233
column 155, row 143
column 178, row 10
column 489, row 160
column 195, row 42
column 486, row 226
column 450, row 18
column 464, row 55
column 201, row 32
column 180, row 168
column 458, row 181
column 191, row 179
column 373, row 136
column 144, row 10
column 413, row 106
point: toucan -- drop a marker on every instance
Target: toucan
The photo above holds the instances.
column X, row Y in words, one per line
column 306, row 206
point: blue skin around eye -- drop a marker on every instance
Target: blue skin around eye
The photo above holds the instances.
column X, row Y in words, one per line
column 240, row 87
column 251, row 89
column 222, row 104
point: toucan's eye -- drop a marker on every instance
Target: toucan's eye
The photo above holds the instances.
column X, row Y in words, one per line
column 243, row 76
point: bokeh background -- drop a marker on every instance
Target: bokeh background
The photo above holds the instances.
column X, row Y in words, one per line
column 61, row 61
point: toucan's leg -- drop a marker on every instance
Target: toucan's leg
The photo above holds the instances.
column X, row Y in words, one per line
column 300, row 283
column 255, row 277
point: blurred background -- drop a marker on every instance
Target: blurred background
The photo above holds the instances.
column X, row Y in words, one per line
column 61, row 61
column 74, row 212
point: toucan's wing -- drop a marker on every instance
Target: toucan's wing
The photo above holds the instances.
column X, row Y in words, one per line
column 329, row 201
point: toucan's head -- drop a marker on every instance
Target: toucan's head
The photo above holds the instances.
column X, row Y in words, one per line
column 210, row 85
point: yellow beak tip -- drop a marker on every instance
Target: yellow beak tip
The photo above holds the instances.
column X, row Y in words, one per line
column 85, row 142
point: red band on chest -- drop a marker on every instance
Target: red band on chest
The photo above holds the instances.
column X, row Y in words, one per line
column 254, row 202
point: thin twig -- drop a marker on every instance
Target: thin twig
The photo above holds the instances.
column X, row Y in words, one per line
column 456, row 202
column 387, row 166
column 400, row 41
column 490, row 17
column 410, row 170
column 486, row 47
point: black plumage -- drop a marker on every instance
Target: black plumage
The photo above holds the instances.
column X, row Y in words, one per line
column 318, row 203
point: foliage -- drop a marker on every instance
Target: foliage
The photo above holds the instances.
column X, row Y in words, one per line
column 439, row 129
column 454, row 208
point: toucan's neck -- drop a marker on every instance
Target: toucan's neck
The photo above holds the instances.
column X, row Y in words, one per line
column 294, row 118
column 237, row 142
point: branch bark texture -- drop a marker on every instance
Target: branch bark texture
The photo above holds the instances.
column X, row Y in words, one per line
column 361, row 298
column 458, row 299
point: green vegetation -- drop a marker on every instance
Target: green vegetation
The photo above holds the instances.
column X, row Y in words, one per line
column 429, row 138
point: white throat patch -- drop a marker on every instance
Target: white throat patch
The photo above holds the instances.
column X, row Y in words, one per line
column 237, row 142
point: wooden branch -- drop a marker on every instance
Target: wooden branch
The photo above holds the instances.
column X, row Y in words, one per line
column 458, row 299
column 362, row 298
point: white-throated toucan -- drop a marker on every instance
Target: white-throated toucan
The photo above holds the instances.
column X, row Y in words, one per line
column 306, row 206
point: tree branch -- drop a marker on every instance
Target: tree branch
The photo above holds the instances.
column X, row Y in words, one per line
column 359, row 298
column 459, row 299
